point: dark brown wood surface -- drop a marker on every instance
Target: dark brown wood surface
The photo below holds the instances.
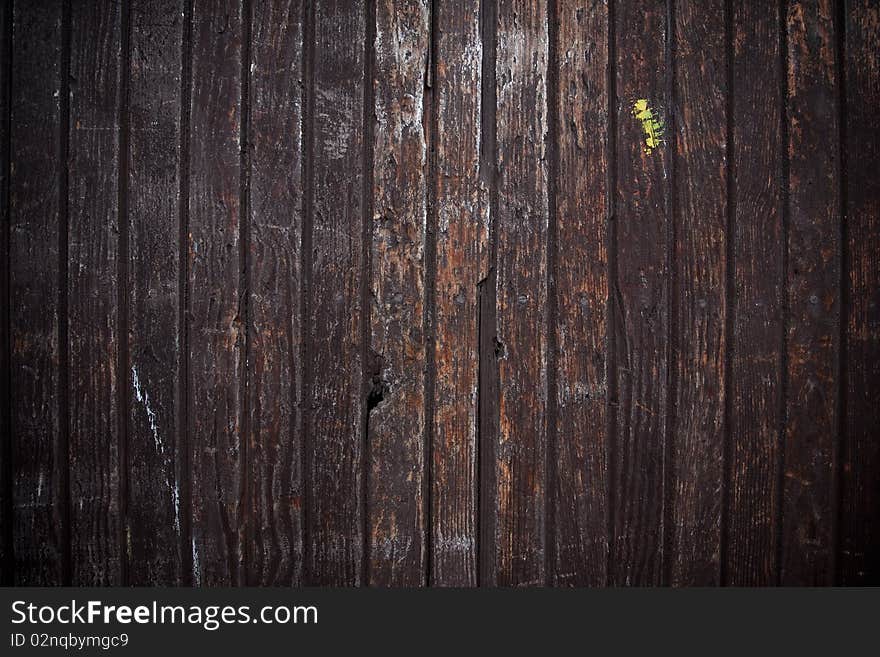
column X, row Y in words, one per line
column 578, row 392
column 157, row 508
column 401, row 294
column 755, row 305
column 94, row 249
column 458, row 219
column 640, row 306
column 698, row 291
column 37, row 260
column 216, row 312
column 520, row 224
column 7, row 564
column 342, row 375
column 396, row 419
column 859, row 528
column 274, row 258
column 812, row 288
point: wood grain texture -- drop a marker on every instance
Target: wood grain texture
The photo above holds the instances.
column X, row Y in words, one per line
column 580, row 276
column 334, row 247
column 640, row 299
column 488, row 351
column 216, row 313
column 462, row 232
column 521, row 292
column 397, row 421
column 7, row 536
column 274, row 258
column 93, row 247
column 154, row 536
column 859, row 529
column 397, row 294
column 699, row 339
column 813, row 297
column 37, row 214
column 757, row 309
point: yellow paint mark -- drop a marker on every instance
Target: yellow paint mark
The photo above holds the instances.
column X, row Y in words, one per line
column 651, row 124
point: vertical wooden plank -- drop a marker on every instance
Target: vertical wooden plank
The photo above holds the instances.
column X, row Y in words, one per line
column 699, row 291
column 640, row 289
column 93, row 243
column 337, row 189
column 813, row 296
column 397, row 421
column 462, row 232
column 521, row 291
column 860, row 502
column 37, row 197
column 153, row 522
column 580, row 273
column 756, row 306
column 216, row 302
column 275, row 448
column 7, row 558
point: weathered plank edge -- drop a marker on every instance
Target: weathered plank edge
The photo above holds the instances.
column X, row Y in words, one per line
column 7, row 547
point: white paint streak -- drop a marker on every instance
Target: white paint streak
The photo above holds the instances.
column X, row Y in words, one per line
column 144, row 398
column 197, row 569
column 175, row 497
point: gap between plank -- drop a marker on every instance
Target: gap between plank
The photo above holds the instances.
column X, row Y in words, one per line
column 730, row 296
column 429, row 111
column 840, row 446
column 613, row 293
column 308, row 112
column 6, row 476
column 123, row 363
column 784, row 306
column 669, row 446
column 366, row 278
column 62, row 450
column 487, row 393
column 186, row 546
column 244, row 291
column 551, row 448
